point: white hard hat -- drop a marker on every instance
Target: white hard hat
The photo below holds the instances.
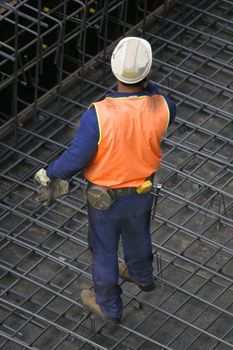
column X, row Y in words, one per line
column 131, row 60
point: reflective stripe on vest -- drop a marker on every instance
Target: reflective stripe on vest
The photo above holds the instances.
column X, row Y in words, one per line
column 130, row 132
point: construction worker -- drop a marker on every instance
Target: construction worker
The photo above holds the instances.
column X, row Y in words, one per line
column 118, row 147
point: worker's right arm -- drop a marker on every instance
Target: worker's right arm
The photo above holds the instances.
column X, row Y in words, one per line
column 153, row 89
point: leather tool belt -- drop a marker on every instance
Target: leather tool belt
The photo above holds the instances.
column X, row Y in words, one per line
column 102, row 198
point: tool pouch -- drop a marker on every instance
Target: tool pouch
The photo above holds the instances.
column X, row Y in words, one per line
column 99, row 197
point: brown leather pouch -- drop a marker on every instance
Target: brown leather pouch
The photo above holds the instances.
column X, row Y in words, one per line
column 99, row 197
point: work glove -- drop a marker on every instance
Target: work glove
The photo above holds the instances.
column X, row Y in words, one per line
column 41, row 178
column 55, row 189
column 51, row 190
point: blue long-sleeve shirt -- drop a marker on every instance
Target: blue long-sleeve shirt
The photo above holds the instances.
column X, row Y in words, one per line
column 85, row 142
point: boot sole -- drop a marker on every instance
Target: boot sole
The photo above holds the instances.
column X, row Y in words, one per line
column 110, row 321
column 147, row 288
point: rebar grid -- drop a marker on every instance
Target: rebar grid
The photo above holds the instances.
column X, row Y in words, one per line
column 33, row 35
column 44, row 259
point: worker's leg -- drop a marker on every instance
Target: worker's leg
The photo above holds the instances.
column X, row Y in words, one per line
column 136, row 240
column 104, row 233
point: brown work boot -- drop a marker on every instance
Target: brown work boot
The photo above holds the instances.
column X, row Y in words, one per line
column 124, row 274
column 88, row 300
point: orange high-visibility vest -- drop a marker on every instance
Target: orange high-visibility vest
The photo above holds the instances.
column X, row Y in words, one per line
column 130, row 132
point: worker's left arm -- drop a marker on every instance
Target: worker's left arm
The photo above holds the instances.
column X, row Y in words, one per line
column 83, row 147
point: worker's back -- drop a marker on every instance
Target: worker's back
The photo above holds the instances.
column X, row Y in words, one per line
column 130, row 130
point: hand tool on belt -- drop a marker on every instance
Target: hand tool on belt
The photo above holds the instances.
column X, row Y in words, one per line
column 155, row 202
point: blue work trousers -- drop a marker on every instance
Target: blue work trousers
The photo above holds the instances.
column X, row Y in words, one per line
column 128, row 219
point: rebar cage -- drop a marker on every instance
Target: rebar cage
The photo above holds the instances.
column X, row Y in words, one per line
column 44, row 257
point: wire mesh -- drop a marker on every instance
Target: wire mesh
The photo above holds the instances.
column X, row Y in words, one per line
column 44, row 256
